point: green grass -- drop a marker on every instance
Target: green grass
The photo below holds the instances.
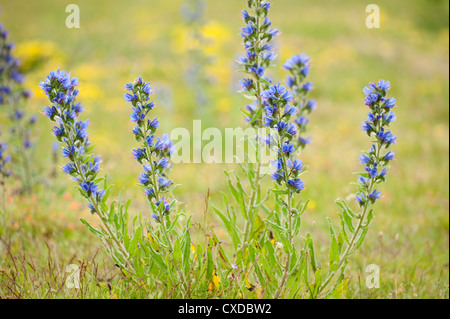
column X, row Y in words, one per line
column 409, row 238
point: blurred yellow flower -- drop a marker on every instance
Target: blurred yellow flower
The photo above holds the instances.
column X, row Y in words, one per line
column 91, row 91
column 34, row 53
column 88, row 71
column 224, row 105
column 214, row 37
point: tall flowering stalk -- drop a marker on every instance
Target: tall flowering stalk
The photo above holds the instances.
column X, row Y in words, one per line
column 375, row 161
column 12, row 100
column 195, row 75
column 84, row 167
column 298, row 66
column 153, row 155
column 5, row 172
column 257, row 35
column 287, row 168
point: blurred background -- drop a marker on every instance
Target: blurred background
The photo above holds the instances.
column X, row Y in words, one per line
column 118, row 41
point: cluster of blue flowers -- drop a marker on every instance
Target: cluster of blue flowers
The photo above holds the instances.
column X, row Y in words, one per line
column 193, row 10
column 154, row 152
column 12, row 92
column 377, row 124
column 61, row 90
column 298, row 67
column 196, row 77
column 4, row 160
column 278, row 115
column 257, row 35
column 9, row 66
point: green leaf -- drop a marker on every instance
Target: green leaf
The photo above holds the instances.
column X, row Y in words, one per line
column 343, row 204
column 93, row 230
column 156, row 256
column 134, row 241
column 310, row 245
column 361, row 237
column 334, row 248
column 256, row 116
column 230, row 228
column 238, row 196
column 276, row 227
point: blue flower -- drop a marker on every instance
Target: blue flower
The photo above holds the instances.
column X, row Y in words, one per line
column 129, row 86
column 290, row 129
column 58, row 131
column 389, row 117
column 277, row 176
column 288, row 148
column 311, row 105
column 153, row 124
column 308, row 86
column 278, row 164
column 245, row 15
column 89, row 187
column 290, row 81
column 387, row 137
column 375, row 195
column 363, row 180
column 295, row 166
column 304, row 141
column 372, row 170
column 150, row 140
column 389, row 156
column 130, row 97
column 364, row 159
column 246, row 84
column 138, row 153
column 370, row 99
column 144, row 179
column 298, row 184
column 69, row 152
column 248, row 30
column 166, row 205
column 265, row 5
column 164, row 183
column 163, row 162
column 149, row 192
column 290, row 110
column 366, row 126
column 302, row 121
column 361, row 199
column 390, row 103
column 384, row 85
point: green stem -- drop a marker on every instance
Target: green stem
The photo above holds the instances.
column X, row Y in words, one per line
column 252, row 203
column 351, row 244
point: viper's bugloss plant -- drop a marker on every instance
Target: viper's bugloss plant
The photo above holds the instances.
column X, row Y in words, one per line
column 72, row 134
column 162, row 258
column 287, row 168
column 196, row 77
column 375, row 161
column 153, row 155
column 270, row 257
column 84, row 167
column 257, row 35
column 4, row 160
column 5, row 172
column 299, row 67
column 13, row 97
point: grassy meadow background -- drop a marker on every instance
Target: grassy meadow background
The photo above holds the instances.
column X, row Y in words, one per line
column 120, row 40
